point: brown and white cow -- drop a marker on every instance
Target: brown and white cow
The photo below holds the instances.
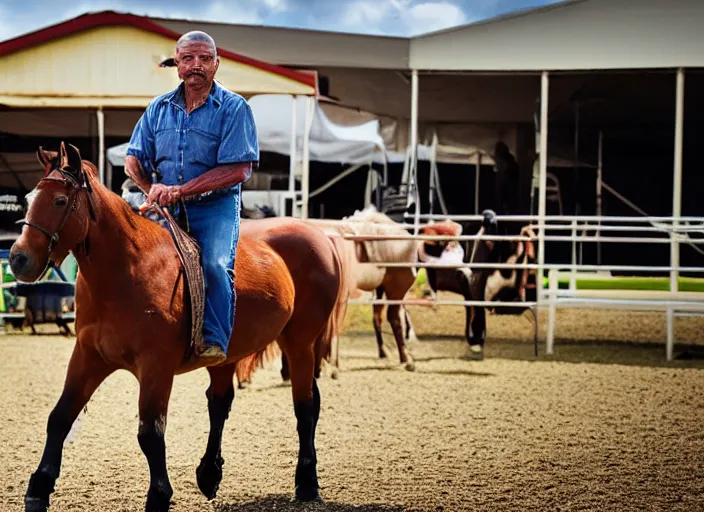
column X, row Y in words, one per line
column 480, row 284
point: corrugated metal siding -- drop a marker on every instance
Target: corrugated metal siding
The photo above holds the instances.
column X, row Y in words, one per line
column 591, row 34
column 113, row 66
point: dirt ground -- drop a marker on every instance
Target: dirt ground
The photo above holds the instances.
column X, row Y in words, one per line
column 601, row 425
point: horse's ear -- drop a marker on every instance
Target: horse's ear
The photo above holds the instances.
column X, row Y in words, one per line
column 63, row 157
column 74, row 157
column 47, row 159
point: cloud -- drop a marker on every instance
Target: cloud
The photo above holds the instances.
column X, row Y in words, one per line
column 276, row 5
column 431, row 16
column 401, row 16
column 234, row 12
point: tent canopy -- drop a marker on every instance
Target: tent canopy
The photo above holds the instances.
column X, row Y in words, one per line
column 329, row 142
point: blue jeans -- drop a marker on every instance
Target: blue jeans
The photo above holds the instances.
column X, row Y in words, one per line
column 215, row 224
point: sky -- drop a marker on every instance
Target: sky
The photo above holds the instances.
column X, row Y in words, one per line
column 381, row 17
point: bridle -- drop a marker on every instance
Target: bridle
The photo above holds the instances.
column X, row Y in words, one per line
column 70, row 183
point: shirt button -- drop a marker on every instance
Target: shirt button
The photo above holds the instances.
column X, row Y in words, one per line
column 180, row 178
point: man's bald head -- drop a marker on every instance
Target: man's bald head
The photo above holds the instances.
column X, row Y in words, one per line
column 196, row 36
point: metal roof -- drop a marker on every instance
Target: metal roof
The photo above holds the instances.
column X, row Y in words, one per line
column 297, row 47
column 572, row 36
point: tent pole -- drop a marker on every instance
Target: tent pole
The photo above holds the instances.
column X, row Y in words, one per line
column 414, row 147
column 676, row 206
column 542, row 193
column 305, row 179
column 101, row 144
column 292, row 159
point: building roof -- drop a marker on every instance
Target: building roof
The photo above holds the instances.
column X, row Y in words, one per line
column 571, row 36
column 110, row 18
column 303, row 48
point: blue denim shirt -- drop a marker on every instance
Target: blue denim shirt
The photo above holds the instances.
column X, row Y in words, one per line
column 183, row 146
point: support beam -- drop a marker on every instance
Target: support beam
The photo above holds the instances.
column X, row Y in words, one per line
column 599, row 183
column 542, row 180
column 676, row 205
column 305, row 178
column 477, row 172
column 292, row 149
column 414, row 147
column 101, row 144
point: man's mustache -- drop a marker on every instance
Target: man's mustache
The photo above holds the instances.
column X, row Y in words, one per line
column 197, row 73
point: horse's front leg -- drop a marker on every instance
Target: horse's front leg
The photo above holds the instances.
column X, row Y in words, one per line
column 220, row 394
column 155, row 383
column 86, row 371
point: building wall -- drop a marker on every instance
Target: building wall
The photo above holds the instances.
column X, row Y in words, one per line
column 113, row 66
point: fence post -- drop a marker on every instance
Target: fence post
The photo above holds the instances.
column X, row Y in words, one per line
column 552, row 303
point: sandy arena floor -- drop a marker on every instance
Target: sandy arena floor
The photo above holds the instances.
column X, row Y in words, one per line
column 624, row 431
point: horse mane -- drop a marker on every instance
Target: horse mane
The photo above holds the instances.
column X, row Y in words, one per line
column 370, row 214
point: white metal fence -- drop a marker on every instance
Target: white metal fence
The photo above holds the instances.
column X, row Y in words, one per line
column 580, row 230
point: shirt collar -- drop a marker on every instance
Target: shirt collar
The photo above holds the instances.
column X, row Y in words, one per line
column 177, row 96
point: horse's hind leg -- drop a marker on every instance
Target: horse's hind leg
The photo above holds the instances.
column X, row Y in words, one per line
column 155, row 383
column 394, row 317
column 378, row 310
column 86, row 371
column 220, row 394
column 306, row 405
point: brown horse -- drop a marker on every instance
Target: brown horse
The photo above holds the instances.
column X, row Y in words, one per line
column 131, row 314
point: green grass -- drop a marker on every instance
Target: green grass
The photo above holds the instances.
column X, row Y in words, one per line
column 686, row 284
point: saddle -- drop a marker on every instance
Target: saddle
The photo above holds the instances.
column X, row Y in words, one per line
column 192, row 270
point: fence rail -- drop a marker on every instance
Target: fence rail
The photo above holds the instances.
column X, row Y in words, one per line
column 674, row 230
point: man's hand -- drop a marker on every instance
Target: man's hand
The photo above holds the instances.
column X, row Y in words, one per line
column 164, row 195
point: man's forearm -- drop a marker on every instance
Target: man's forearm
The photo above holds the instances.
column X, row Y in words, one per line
column 220, row 177
column 134, row 170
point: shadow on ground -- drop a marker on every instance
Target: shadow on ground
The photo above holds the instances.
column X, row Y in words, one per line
column 286, row 503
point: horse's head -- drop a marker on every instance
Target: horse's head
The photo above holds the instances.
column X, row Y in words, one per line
column 58, row 214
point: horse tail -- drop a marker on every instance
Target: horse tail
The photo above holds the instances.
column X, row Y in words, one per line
column 246, row 366
column 327, row 344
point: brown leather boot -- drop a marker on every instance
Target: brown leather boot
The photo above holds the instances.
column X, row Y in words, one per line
column 211, row 356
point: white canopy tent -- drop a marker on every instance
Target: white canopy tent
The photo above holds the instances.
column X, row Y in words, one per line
column 297, row 127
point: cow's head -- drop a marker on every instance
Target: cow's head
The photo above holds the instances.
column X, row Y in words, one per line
column 435, row 248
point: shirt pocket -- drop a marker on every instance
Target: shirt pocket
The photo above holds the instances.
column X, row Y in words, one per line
column 166, row 145
column 202, row 147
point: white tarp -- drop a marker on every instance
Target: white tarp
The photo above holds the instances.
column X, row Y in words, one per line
column 329, row 142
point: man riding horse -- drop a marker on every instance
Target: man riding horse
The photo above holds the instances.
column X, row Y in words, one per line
column 191, row 150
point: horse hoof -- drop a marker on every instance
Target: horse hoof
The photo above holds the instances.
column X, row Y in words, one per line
column 208, row 476
column 244, row 384
column 35, row 505
column 334, row 375
column 158, row 502
column 410, row 366
column 308, row 494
